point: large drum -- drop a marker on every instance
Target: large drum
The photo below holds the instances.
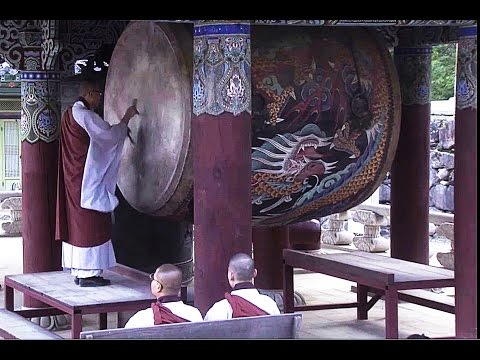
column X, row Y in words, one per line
column 326, row 115
column 325, row 118
column 151, row 62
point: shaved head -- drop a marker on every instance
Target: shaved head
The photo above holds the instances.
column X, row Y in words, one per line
column 170, row 276
column 88, row 85
column 242, row 266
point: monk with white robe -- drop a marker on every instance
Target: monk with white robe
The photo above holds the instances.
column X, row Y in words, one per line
column 244, row 300
column 88, row 159
column 169, row 308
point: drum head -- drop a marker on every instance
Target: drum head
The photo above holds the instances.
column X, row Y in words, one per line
column 149, row 64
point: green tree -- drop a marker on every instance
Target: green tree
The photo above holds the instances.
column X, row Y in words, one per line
column 443, row 71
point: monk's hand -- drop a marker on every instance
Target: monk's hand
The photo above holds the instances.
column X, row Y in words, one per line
column 130, row 113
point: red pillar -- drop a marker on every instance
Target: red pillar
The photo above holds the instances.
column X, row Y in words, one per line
column 465, row 192
column 268, row 245
column 40, row 250
column 40, row 124
column 221, row 134
column 410, row 168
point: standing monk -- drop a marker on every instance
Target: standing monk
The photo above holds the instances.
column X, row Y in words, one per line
column 89, row 158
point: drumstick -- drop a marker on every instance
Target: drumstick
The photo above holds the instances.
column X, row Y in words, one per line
column 129, row 135
column 134, row 103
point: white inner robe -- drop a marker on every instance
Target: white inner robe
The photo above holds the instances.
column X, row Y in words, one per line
column 92, row 258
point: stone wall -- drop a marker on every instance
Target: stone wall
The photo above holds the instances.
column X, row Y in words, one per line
column 442, row 158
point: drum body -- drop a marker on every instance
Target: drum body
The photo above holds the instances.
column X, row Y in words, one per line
column 326, row 115
column 325, row 119
column 151, row 63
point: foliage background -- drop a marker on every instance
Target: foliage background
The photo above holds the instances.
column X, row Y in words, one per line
column 443, row 71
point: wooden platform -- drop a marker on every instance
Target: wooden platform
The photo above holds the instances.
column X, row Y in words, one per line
column 58, row 290
column 13, row 326
column 383, row 274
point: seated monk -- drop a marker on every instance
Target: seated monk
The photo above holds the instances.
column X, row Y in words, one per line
column 169, row 308
column 244, row 300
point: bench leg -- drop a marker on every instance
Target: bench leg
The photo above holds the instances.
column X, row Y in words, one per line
column 9, row 299
column 391, row 314
column 184, row 294
column 76, row 325
column 102, row 319
column 288, row 300
column 362, row 306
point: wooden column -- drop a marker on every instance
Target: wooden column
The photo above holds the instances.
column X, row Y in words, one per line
column 221, row 134
column 40, row 120
column 268, row 245
column 465, row 192
column 410, row 168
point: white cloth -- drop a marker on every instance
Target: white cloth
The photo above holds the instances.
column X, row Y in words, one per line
column 144, row 318
column 83, row 274
column 222, row 310
column 103, row 159
column 88, row 258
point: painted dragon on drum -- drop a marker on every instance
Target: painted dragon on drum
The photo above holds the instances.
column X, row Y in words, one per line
column 318, row 121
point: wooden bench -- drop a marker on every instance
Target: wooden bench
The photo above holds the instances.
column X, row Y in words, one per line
column 282, row 326
column 422, row 297
column 14, row 326
column 428, row 299
column 388, row 277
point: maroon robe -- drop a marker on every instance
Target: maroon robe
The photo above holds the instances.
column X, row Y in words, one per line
column 242, row 307
column 163, row 315
column 74, row 224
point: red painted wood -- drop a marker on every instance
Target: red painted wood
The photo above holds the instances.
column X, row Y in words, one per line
column 76, row 325
column 268, row 244
column 102, row 320
column 222, row 200
column 288, row 288
column 9, row 299
column 39, row 179
column 391, row 314
column 410, row 187
column 362, row 309
column 305, row 235
column 465, row 226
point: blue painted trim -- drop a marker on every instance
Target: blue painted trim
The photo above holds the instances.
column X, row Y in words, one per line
column 412, row 50
column 221, row 29
column 39, row 75
column 467, row 31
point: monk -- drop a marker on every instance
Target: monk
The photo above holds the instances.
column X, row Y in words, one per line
column 244, row 299
column 88, row 163
column 165, row 285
